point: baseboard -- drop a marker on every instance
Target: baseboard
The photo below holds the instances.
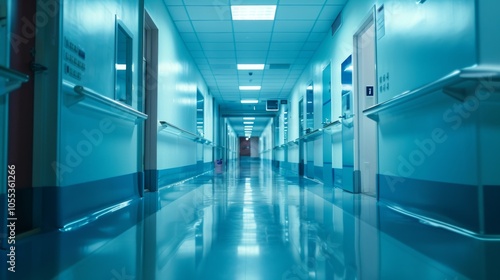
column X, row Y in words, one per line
column 453, row 204
column 60, row 206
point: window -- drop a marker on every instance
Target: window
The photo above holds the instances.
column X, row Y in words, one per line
column 200, row 114
column 123, row 64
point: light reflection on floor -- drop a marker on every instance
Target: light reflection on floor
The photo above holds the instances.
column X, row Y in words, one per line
column 249, row 222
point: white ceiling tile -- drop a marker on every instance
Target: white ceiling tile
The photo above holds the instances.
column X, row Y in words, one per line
column 216, row 43
column 322, row 26
column 209, row 12
column 247, row 26
column 220, row 54
column 218, row 46
column 252, row 37
column 286, row 46
column 252, row 46
column 301, row 60
column 317, row 37
column 184, row 26
column 178, row 13
column 283, row 54
column 197, row 54
column 204, row 67
column 306, row 54
column 173, row 2
column 297, row 66
column 305, row 12
column 274, row 60
column 311, row 46
column 254, row 2
column 251, row 54
column 189, row 37
column 204, row 2
column 302, row 2
column 212, row 26
column 290, row 37
column 221, row 61
column 214, row 37
column 336, row 2
column 194, row 46
column 293, row 25
column 330, row 12
column 244, row 60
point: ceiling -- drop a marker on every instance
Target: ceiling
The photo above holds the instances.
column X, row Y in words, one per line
column 285, row 46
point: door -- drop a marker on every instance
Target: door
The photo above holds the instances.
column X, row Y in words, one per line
column 310, row 127
column 347, row 127
column 301, row 133
column 366, row 161
column 150, row 93
column 327, row 118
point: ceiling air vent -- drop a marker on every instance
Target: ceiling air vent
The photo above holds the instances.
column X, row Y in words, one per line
column 337, row 23
column 272, row 105
column 279, row 66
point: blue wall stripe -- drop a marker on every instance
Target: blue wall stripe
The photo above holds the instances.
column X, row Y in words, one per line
column 491, row 209
column 318, row 172
column 454, row 204
column 62, row 205
column 174, row 175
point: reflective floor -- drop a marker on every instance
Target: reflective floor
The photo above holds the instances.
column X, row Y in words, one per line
column 247, row 222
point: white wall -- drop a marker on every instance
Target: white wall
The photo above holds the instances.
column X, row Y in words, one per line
column 421, row 44
column 94, row 144
column 178, row 82
column 332, row 50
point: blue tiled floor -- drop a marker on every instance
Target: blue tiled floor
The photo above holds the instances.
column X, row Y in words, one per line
column 250, row 223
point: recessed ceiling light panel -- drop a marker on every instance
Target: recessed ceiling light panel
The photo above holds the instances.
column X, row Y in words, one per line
column 253, row 12
column 250, row 87
column 251, row 66
column 249, row 101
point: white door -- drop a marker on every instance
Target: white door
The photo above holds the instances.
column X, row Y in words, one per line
column 366, row 130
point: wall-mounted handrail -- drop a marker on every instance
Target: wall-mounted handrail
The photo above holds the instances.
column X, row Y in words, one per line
column 86, row 92
column 456, row 84
column 13, row 78
column 184, row 133
column 330, row 126
column 312, row 135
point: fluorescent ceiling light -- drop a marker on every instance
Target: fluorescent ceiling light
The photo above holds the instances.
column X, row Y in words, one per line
column 250, row 87
column 248, row 126
column 248, row 122
column 248, row 118
column 121, row 66
column 249, row 101
column 253, row 12
column 251, row 66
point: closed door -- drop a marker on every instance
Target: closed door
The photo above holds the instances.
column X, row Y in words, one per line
column 327, row 118
column 301, row 133
column 150, row 87
column 347, row 127
column 366, row 161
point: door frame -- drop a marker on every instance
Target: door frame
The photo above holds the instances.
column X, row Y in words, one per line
column 358, row 89
column 150, row 97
